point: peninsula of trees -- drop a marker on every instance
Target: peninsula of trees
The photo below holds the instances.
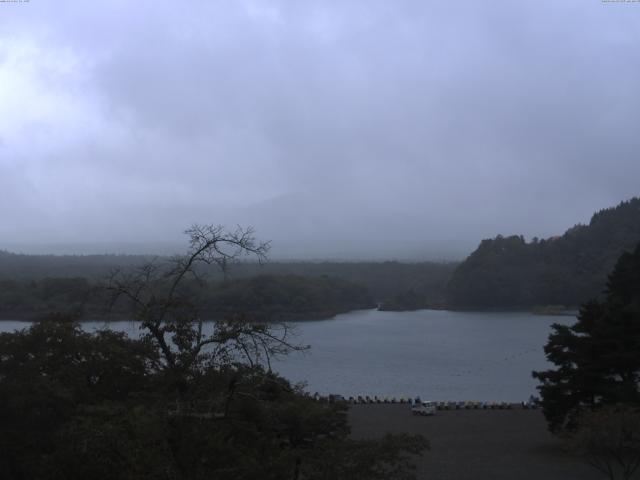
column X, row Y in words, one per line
column 31, row 286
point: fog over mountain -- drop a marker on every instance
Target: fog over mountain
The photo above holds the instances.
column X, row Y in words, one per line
column 338, row 129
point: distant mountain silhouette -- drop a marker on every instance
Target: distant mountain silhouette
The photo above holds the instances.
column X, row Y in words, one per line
column 508, row 272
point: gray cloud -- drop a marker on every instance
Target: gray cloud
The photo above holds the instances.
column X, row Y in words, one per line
column 405, row 129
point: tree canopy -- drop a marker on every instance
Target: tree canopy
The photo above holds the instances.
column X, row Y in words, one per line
column 597, row 358
column 509, row 272
column 176, row 403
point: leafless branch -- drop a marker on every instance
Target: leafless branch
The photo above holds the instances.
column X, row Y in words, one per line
column 171, row 319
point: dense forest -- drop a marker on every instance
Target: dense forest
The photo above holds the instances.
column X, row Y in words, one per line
column 103, row 406
column 14, row 266
column 385, row 281
column 178, row 402
column 505, row 272
column 34, row 285
column 277, row 297
column 262, row 298
column 509, row 272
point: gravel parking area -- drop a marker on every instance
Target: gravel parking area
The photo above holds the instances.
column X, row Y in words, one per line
column 477, row 444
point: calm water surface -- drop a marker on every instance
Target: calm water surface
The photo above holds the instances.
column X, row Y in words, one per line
column 439, row 355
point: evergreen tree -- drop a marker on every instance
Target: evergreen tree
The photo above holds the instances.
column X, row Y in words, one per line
column 598, row 358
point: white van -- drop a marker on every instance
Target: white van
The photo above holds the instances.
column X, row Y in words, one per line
column 424, row 408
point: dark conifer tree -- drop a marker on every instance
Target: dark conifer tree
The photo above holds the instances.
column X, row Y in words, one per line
column 598, row 358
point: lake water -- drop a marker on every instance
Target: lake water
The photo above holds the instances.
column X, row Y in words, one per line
column 438, row 355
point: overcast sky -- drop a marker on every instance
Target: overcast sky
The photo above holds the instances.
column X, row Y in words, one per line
column 365, row 129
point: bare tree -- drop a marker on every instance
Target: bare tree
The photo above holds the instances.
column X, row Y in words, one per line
column 164, row 295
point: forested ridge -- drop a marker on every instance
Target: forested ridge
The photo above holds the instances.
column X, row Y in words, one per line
column 262, row 298
column 504, row 272
column 34, row 285
column 509, row 272
column 274, row 297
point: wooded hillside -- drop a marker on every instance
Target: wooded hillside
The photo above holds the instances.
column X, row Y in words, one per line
column 509, row 272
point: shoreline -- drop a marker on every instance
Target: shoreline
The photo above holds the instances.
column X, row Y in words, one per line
column 536, row 310
column 31, row 317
